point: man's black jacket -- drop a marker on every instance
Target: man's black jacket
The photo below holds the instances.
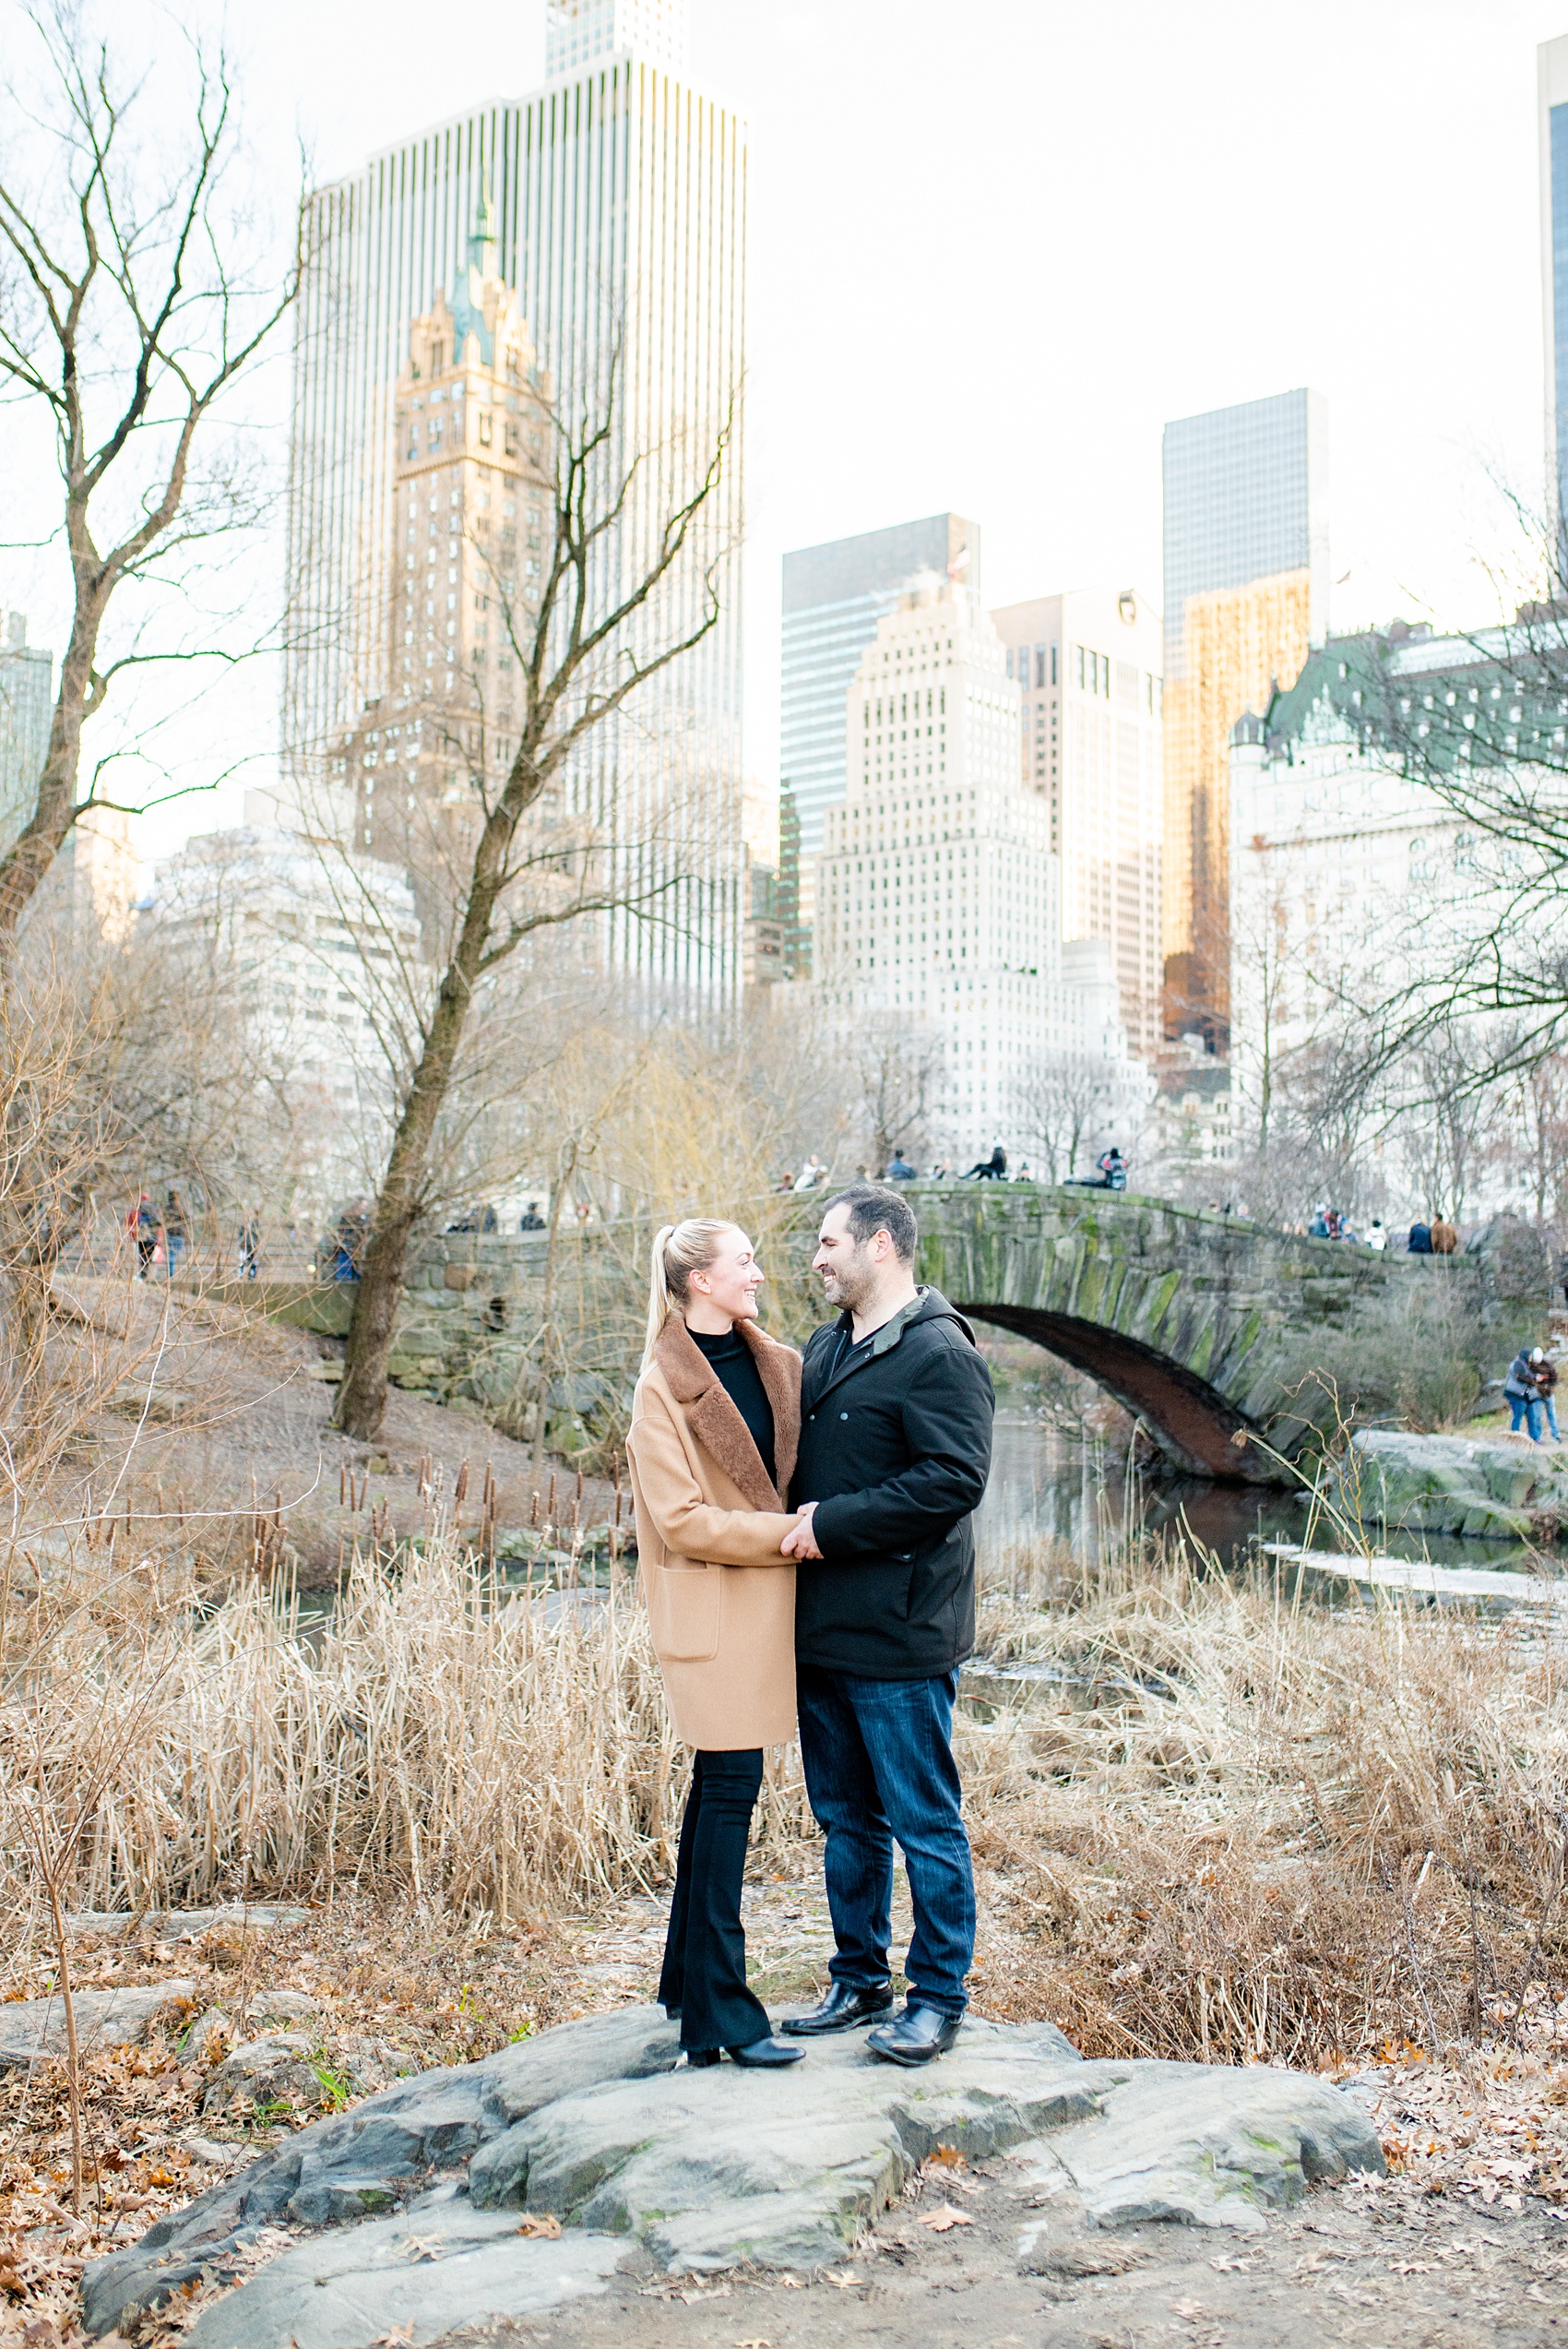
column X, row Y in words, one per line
column 894, row 1451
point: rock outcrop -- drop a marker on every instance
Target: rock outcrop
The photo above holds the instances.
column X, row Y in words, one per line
column 1501, row 1488
column 505, row 2188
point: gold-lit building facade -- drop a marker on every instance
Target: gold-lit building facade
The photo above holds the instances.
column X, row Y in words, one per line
column 1246, row 596
column 1239, row 644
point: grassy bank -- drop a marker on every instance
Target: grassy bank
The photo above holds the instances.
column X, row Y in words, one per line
column 1210, row 1823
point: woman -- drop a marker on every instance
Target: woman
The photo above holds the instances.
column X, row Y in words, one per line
column 716, row 1422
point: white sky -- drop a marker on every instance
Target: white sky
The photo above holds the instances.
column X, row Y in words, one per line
column 994, row 248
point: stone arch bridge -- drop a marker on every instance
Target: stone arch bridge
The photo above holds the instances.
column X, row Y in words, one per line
column 1200, row 1324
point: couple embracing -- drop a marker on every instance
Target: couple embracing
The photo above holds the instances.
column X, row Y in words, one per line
column 806, row 1552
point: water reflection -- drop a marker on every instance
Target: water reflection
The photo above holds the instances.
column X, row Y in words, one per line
column 1045, row 1485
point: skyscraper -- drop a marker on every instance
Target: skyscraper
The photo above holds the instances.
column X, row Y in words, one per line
column 1246, row 594
column 616, row 201
column 939, row 900
column 27, row 709
column 1087, row 667
column 1551, row 106
column 834, row 597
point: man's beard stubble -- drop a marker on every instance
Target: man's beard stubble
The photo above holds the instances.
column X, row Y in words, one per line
column 852, row 1283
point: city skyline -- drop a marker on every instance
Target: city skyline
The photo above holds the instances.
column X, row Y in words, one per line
column 834, row 596
column 1246, row 596
column 1062, row 461
column 612, row 200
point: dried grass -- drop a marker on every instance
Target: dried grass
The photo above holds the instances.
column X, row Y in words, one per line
column 441, row 1738
column 1239, row 1828
column 1220, row 1825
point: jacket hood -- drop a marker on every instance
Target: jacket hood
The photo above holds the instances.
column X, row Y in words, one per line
column 929, row 1304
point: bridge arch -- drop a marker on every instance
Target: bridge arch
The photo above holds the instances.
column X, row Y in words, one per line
column 1191, row 1422
column 1200, row 1323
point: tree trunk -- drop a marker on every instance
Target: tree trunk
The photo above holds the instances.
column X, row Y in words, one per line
column 45, row 833
column 361, row 1398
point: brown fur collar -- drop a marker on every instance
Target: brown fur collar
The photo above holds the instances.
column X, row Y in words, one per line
column 713, row 1418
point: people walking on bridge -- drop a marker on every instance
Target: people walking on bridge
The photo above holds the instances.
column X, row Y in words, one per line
column 1376, row 1236
column 990, row 1170
column 1318, row 1228
column 1419, row 1241
column 249, row 1239
column 895, row 1431
column 715, row 1418
column 1523, row 1390
column 898, row 1167
column 811, row 1175
column 1444, row 1238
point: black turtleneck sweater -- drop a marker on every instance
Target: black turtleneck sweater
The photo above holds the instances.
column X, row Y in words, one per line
column 742, row 1381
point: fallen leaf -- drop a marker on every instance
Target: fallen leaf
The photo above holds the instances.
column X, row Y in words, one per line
column 947, row 2157
column 940, row 2220
column 754, row 2345
column 1187, row 2309
column 424, row 2246
column 540, row 2223
column 844, row 2278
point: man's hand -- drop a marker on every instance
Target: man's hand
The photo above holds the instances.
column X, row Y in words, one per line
column 798, row 1542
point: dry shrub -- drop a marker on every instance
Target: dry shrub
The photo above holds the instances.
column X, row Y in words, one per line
column 1224, row 1827
column 441, row 1738
column 1249, row 1831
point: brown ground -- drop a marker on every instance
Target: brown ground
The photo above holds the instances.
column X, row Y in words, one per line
column 1466, row 2240
column 252, row 1448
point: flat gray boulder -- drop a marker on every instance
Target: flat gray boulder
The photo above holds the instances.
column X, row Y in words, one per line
column 1500, row 1487
column 31, row 2028
column 440, row 2265
column 434, row 2186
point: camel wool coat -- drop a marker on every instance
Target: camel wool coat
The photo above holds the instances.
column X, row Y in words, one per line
column 720, row 1599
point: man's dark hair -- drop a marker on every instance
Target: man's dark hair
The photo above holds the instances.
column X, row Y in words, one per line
column 872, row 1209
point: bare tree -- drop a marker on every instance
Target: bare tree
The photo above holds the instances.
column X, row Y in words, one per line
column 128, row 308
column 605, row 624
column 897, row 1068
column 1062, row 1100
column 1484, row 734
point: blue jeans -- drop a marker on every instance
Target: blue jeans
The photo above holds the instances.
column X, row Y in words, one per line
column 879, row 1765
column 1548, row 1405
column 1523, row 1406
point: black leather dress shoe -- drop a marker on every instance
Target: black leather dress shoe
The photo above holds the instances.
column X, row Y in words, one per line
column 765, row 2054
column 846, row 2007
column 915, row 2036
column 698, row 2058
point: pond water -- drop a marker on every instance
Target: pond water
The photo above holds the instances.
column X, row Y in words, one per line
column 1046, row 1484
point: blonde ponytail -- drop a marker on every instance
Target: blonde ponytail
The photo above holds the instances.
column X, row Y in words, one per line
column 679, row 1250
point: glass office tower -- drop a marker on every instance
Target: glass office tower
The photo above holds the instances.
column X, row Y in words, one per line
column 834, row 597
column 614, row 200
column 1551, row 92
column 1246, row 594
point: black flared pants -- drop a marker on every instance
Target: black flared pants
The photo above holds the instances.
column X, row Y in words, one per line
column 705, row 1950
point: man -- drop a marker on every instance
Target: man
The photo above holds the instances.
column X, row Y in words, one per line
column 896, row 1424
